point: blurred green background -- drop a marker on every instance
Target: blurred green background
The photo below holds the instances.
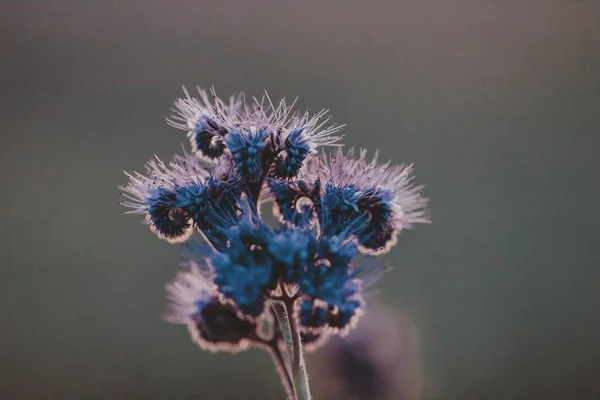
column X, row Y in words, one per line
column 497, row 102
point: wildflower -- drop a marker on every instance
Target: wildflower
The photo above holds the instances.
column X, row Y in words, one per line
column 244, row 272
column 212, row 325
column 297, row 202
column 155, row 196
column 253, row 284
column 309, row 130
column 247, row 147
column 214, row 127
column 212, row 206
column 382, row 194
column 200, row 118
column 182, row 196
column 331, row 292
column 291, row 156
column 291, row 250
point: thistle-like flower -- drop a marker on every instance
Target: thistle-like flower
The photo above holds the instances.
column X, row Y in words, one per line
column 200, row 118
column 213, row 326
column 254, row 284
column 383, row 194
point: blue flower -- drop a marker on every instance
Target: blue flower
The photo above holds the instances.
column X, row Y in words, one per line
column 341, row 210
column 205, row 120
column 379, row 229
column 291, row 250
column 247, row 147
column 213, row 326
column 212, row 205
column 290, row 160
column 244, row 271
column 338, row 315
column 296, row 202
column 331, row 209
column 166, row 218
column 207, row 138
column 244, row 279
column 329, row 288
column 336, row 251
column 383, row 196
column 186, row 194
column 312, row 131
column 369, row 211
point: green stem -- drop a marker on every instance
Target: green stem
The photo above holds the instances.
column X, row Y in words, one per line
column 299, row 375
column 278, row 311
column 280, row 314
column 281, row 364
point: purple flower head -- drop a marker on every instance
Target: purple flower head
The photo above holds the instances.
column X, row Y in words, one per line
column 331, row 294
column 303, row 127
column 184, row 195
column 302, row 279
column 245, row 128
column 383, row 195
column 155, row 195
column 296, row 202
column 258, row 262
column 213, row 325
column 247, row 148
column 244, row 271
column 201, row 118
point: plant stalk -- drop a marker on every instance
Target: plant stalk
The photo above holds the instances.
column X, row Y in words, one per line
column 282, row 359
column 281, row 364
column 299, row 374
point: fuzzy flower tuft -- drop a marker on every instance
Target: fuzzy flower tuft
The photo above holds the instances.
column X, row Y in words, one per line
column 200, row 118
column 213, row 326
column 155, row 195
column 331, row 293
column 247, row 148
column 384, row 195
column 290, row 159
column 186, row 194
column 295, row 202
column 301, row 279
column 244, row 271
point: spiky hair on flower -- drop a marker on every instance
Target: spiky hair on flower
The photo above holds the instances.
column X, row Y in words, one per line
column 200, row 118
column 263, row 138
column 296, row 202
column 332, row 289
column 383, row 194
column 187, row 193
column 302, row 279
column 244, row 271
column 259, row 262
column 154, row 195
column 299, row 137
column 213, row 326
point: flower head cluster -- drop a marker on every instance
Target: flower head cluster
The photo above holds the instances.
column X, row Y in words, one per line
column 333, row 210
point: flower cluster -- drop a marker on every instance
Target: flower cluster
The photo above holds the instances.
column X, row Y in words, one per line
column 333, row 211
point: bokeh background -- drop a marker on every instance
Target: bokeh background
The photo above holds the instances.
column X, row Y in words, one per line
column 497, row 102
